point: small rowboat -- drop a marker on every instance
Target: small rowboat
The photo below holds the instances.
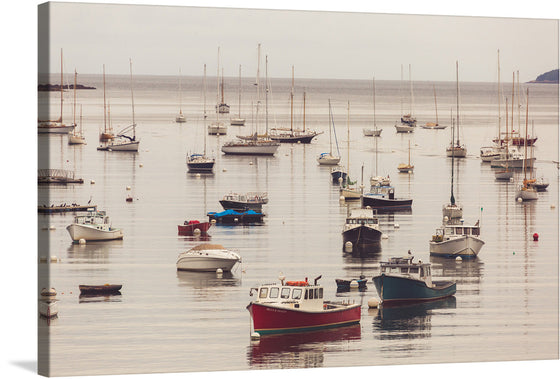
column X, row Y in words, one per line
column 188, row 228
column 104, row 289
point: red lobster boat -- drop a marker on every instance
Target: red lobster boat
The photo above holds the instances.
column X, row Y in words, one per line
column 188, row 228
column 297, row 306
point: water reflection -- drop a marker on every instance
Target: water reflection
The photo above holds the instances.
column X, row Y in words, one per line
column 93, row 251
column 105, row 298
column 301, row 350
column 408, row 322
column 207, row 285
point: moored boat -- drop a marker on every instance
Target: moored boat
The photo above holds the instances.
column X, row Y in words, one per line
column 361, row 230
column 102, row 289
column 382, row 198
column 246, row 201
column 207, row 257
column 93, row 226
column 401, row 280
column 189, row 227
column 343, row 285
column 232, row 217
column 298, row 306
column 457, row 240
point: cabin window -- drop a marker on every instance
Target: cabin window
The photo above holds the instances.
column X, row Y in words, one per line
column 306, row 295
column 404, row 270
column 476, row 231
column 382, row 269
column 316, row 292
column 414, row 270
column 421, row 271
column 321, row 293
column 263, row 292
column 427, row 271
column 285, row 294
column 458, row 230
column 273, row 292
column 296, row 293
column 311, row 294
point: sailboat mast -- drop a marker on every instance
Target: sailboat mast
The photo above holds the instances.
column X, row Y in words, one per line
column 304, row 110
column 61, row 86
column 258, row 87
column 401, row 89
column 526, row 127
column 239, row 115
column 512, row 100
column 374, row 123
column 104, row 103
column 132, row 98
column 180, row 94
column 457, row 66
column 292, row 104
column 266, row 92
column 409, row 153
column 500, row 105
column 330, row 131
column 222, row 86
column 218, row 87
column 348, row 138
column 204, row 108
column 411, row 92
column 435, row 100
column 75, row 80
column 518, row 102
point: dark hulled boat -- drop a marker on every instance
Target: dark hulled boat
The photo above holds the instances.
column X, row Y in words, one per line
column 383, row 198
column 361, row 230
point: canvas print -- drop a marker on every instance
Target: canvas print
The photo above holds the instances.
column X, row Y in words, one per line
column 239, row 189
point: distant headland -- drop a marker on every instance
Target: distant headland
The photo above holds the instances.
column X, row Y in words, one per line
column 547, row 77
column 56, row 87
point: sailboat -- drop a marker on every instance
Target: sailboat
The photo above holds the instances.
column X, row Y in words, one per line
column 506, row 174
column 455, row 238
column 200, row 162
column 256, row 145
column 489, row 153
column 122, row 141
column 292, row 135
column 404, row 167
column 338, row 173
column 56, row 126
column 218, row 127
column 373, row 132
column 77, row 136
column 525, row 191
column 436, row 125
column 408, row 121
column 107, row 134
column 329, row 159
column 222, row 107
column 180, row 118
column 455, row 148
column 238, row 121
column 350, row 193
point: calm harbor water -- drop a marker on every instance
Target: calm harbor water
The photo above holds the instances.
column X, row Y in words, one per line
column 506, row 305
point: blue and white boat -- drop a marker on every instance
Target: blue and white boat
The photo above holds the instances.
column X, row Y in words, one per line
column 382, row 198
column 401, row 280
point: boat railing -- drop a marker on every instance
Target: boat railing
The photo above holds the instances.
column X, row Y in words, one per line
column 55, row 173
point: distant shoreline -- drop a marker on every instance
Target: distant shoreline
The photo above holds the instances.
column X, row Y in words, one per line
column 544, row 81
column 56, row 87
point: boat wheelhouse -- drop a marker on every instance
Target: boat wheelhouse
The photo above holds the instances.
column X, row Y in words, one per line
column 298, row 306
column 93, row 226
column 402, row 280
column 243, row 202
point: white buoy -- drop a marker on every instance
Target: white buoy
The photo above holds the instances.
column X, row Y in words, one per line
column 196, row 232
column 445, row 219
column 141, row 165
column 396, row 226
column 224, row 170
column 219, row 272
column 82, row 241
column 128, row 188
column 298, row 141
column 348, row 247
column 354, row 284
column 552, row 206
column 255, row 336
column 340, row 179
column 341, row 198
column 384, row 236
column 458, row 259
column 410, row 171
column 54, row 258
column 236, row 220
column 519, row 200
column 52, row 227
column 373, row 303
column 250, row 163
column 92, row 181
column 213, row 221
column 198, row 175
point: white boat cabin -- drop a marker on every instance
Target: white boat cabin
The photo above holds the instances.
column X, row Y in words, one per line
column 291, row 294
column 249, row 197
column 363, row 216
column 94, row 218
column 404, row 267
column 451, row 230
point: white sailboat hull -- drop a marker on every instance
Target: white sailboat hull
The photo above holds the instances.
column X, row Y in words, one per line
column 328, row 160
column 48, row 308
column 372, row 132
column 350, row 193
column 216, row 129
column 251, row 149
column 460, row 246
column 55, row 128
column 457, row 152
column 116, row 146
column 237, row 121
column 206, row 263
column 513, row 163
column 403, row 128
column 503, row 175
column 91, row 233
column 527, row 194
column 76, row 140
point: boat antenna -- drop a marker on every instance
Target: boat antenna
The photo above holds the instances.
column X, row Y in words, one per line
column 452, row 155
column 316, row 279
column 132, row 97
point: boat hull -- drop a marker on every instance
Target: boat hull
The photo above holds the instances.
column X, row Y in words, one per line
column 457, row 152
column 395, row 289
column 237, row 121
column 372, row 132
column 76, row 140
column 405, row 128
column 205, row 264
column 241, row 206
column 466, row 247
column 503, row 175
column 362, row 237
column 294, row 138
column 55, row 129
column 271, row 319
column 200, row 166
column 338, row 174
column 512, row 163
column 527, row 194
column 126, row 146
column 251, row 149
column 89, row 233
column 188, row 230
column 380, row 203
column 105, row 289
column 328, row 160
column 217, row 129
column 48, row 308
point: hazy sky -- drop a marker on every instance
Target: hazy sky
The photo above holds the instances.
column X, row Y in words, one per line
column 320, row 44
